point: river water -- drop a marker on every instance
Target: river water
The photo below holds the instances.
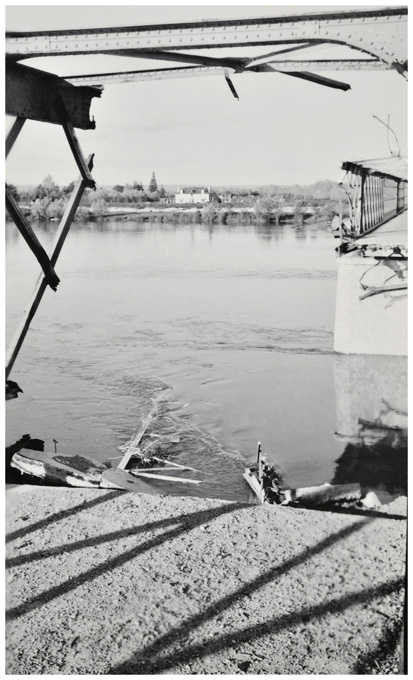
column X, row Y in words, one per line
column 235, row 321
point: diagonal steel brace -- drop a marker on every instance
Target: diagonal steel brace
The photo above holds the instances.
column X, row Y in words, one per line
column 74, row 144
column 14, row 133
column 31, row 240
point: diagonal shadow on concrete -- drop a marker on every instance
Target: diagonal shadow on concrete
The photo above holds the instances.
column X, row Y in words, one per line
column 177, row 522
column 360, row 512
column 189, row 521
column 89, row 542
column 164, row 664
column 41, row 524
column 246, row 590
column 386, row 647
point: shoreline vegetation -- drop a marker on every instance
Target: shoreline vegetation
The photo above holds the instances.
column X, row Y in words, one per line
column 296, row 205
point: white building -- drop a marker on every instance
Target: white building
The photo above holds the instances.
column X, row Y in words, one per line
column 194, row 195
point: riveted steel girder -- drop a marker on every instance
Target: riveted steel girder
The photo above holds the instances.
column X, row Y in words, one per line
column 34, row 94
column 288, row 66
column 145, row 75
column 382, row 33
column 190, row 72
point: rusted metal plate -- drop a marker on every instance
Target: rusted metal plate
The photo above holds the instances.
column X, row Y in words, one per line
column 31, row 93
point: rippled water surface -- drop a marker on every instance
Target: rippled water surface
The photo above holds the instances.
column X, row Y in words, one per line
column 236, row 321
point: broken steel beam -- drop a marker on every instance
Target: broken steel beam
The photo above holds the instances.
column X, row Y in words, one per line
column 33, row 94
column 319, row 80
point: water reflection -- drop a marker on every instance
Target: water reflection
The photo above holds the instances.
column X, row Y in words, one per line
column 271, row 232
column 211, row 230
column 380, row 467
column 108, row 227
column 371, row 399
column 301, row 233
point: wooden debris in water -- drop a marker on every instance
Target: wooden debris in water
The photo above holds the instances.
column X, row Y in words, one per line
column 264, row 479
column 132, row 446
column 167, row 478
column 154, row 459
column 251, row 479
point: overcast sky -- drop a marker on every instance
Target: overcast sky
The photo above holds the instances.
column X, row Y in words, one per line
column 192, row 131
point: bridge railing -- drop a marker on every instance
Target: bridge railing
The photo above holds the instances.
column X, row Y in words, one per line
column 373, row 197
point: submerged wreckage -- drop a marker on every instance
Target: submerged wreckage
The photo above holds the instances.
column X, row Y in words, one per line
column 266, row 482
column 137, row 471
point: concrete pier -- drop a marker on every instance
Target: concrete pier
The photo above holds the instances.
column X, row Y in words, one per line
column 366, row 321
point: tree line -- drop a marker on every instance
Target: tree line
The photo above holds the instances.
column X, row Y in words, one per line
column 48, row 201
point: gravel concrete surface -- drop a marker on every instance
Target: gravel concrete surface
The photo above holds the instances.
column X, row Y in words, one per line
column 103, row 582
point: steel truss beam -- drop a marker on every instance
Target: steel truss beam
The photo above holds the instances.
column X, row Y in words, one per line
column 234, row 65
column 239, row 64
column 145, row 75
column 35, row 94
column 288, row 65
column 182, row 72
column 381, row 33
column 186, row 72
